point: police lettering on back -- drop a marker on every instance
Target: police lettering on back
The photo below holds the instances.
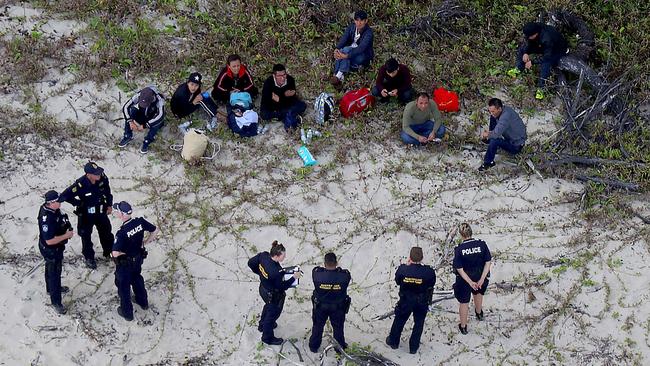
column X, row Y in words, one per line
column 471, row 251
column 134, row 231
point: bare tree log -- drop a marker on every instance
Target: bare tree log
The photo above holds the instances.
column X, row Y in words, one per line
column 610, row 182
column 572, row 159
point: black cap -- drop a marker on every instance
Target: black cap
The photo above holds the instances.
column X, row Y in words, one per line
column 532, row 28
column 124, row 207
column 195, row 77
column 92, row 168
column 51, row 196
column 147, row 96
column 360, row 15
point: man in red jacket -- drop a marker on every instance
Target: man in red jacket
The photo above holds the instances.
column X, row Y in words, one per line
column 235, row 77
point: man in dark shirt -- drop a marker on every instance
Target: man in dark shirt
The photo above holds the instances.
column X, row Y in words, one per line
column 545, row 40
column 129, row 253
column 146, row 109
column 507, row 132
column 188, row 98
column 415, row 282
column 393, row 80
column 279, row 99
column 54, row 232
column 354, row 49
column 330, row 300
column 92, row 198
column 472, row 260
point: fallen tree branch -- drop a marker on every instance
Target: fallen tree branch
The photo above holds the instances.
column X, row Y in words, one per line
column 610, row 182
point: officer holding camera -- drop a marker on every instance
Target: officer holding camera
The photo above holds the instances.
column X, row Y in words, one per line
column 273, row 286
column 129, row 253
column 92, row 198
column 54, row 232
column 330, row 300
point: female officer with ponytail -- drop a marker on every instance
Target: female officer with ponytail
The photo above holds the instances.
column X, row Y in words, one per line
column 272, row 288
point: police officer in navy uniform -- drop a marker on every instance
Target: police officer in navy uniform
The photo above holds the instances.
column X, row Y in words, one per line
column 54, row 232
column 91, row 195
column 415, row 281
column 472, row 260
column 129, row 253
column 273, row 288
column 330, row 300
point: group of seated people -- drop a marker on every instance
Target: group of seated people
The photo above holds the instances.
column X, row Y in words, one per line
column 235, row 88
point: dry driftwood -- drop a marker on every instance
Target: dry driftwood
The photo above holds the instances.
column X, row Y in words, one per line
column 610, row 182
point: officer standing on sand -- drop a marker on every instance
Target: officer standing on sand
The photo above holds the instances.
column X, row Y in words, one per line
column 330, row 300
column 54, row 232
column 415, row 281
column 129, row 253
column 273, row 288
column 92, row 198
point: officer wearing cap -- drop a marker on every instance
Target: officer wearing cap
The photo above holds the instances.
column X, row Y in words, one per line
column 415, row 281
column 54, row 232
column 273, row 288
column 144, row 109
column 91, row 195
column 472, row 261
column 129, row 253
column 188, row 98
column 330, row 300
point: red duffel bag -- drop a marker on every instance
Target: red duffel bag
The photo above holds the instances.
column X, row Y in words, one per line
column 356, row 101
column 446, row 100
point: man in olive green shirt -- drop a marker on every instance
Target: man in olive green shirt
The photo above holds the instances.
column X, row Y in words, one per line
column 422, row 122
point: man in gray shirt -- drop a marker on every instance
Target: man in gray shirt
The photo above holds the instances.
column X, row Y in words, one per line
column 422, row 122
column 507, row 132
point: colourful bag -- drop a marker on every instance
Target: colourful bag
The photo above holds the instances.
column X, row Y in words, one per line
column 446, row 100
column 355, row 101
column 241, row 98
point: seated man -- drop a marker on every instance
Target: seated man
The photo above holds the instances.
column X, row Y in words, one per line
column 234, row 77
column 422, row 122
column 507, row 132
column 188, row 98
column 393, row 80
column 145, row 109
column 279, row 99
column 244, row 122
column 545, row 40
column 354, row 48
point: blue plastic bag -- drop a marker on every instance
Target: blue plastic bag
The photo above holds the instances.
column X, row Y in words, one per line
column 306, row 156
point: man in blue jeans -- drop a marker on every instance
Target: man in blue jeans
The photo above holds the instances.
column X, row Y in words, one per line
column 354, row 48
column 146, row 109
column 422, row 122
column 507, row 132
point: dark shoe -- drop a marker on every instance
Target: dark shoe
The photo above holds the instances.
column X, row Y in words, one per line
column 275, row 341
column 259, row 327
column 393, row 346
column 91, row 263
column 121, row 313
column 462, row 329
column 64, row 289
column 413, row 351
column 124, row 141
column 313, row 350
column 480, row 315
column 486, row 166
column 144, row 149
column 59, row 308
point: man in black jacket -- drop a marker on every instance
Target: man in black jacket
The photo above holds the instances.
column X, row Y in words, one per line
column 545, row 40
column 144, row 110
column 354, row 49
column 279, row 99
column 330, row 300
column 188, row 98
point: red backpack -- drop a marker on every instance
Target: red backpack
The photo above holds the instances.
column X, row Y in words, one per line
column 356, row 101
column 446, row 100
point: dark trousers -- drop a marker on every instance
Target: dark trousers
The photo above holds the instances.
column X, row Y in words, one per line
column 336, row 314
column 53, row 256
column 85, row 225
column 151, row 135
column 273, row 304
column 403, row 311
column 404, row 96
column 287, row 115
column 495, row 144
column 128, row 275
column 246, row 131
column 207, row 104
column 546, row 67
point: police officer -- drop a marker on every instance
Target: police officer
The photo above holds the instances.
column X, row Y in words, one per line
column 330, row 300
column 272, row 288
column 415, row 281
column 472, row 260
column 54, row 232
column 91, row 195
column 129, row 253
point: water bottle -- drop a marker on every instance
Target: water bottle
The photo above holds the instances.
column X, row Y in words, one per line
column 306, row 156
column 316, row 133
column 309, row 135
column 303, row 138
